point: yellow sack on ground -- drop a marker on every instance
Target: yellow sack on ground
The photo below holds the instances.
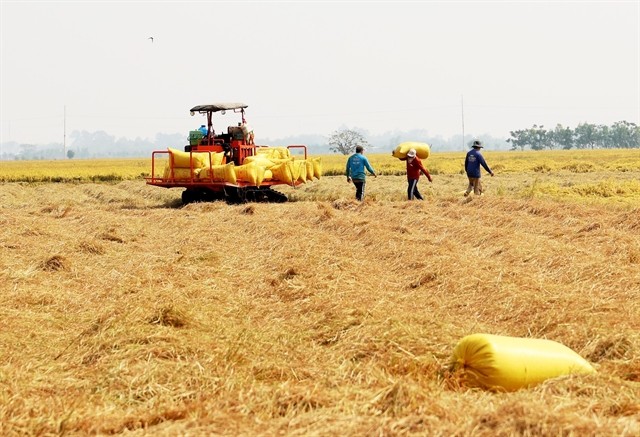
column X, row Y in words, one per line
column 183, row 159
column 503, row 363
column 219, row 173
column 283, row 172
column 317, row 167
column 252, row 173
column 422, row 149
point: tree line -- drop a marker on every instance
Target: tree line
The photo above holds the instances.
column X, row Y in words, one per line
column 86, row 144
column 620, row 135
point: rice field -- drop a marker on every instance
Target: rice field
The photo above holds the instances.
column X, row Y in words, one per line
column 123, row 312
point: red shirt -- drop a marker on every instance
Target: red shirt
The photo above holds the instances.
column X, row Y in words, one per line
column 414, row 167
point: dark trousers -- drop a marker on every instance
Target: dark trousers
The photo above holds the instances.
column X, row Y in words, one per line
column 359, row 188
column 412, row 190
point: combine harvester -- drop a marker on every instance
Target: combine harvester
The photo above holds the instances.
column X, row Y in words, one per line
column 228, row 165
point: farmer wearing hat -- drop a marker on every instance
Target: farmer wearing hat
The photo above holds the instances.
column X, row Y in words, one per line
column 414, row 168
column 472, row 164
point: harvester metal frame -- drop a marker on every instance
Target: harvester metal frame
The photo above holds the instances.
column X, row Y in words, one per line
column 236, row 147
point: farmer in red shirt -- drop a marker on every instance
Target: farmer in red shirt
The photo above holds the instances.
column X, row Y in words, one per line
column 414, row 168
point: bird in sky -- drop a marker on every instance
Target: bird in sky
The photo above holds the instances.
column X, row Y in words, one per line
column 151, row 38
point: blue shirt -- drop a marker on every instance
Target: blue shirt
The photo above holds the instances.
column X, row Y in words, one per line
column 472, row 163
column 203, row 130
column 356, row 165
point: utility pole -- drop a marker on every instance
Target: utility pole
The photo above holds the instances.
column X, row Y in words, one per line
column 64, row 133
column 462, row 108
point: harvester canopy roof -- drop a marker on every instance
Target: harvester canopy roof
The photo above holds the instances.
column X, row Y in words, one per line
column 215, row 107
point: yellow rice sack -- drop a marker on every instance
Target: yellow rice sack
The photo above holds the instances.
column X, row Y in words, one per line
column 252, row 173
column 281, row 153
column 301, row 171
column 217, row 158
column 274, row 152
column 180, row 173
column 268, row 175
column 203, row 158
column 183, row 159
column 503, row 363
column 309, row 164
column 260, row 160
column 283, row 172
column 317, row 167
column 422, row 149
column 219, row 173
column 266, row 152
column 280, row 160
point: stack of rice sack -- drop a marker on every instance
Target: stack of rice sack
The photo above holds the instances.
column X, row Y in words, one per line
column 280, row 166
column 269, row 164
column 181, row 164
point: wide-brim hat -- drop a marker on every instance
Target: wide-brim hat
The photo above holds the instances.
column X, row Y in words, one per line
column 411, row 153
column 478, row 144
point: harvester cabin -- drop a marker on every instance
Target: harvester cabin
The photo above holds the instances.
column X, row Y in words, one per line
column 236, row 141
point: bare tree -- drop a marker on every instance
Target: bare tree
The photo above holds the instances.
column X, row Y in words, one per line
column 345, row 141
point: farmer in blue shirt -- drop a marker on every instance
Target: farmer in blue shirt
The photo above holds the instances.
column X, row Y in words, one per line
column 203, row 129
column 355, row 171
column 472, row 164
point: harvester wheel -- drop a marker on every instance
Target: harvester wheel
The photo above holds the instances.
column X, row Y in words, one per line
column 253, row 194
column 187, row 197
column 275, row 196
column 234, row 195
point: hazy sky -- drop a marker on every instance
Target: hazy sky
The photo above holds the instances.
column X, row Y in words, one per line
column 314, row 67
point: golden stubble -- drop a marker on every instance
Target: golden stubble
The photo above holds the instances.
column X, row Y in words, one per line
column 123, row 311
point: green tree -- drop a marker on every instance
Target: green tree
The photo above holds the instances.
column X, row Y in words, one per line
column 625, row 135
column 562, row 137
column 70, row 154
column 603, row 137
column 539, row 138
column 345, row 141
column 621, row 134
column 519, row 139
column 586, row 136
